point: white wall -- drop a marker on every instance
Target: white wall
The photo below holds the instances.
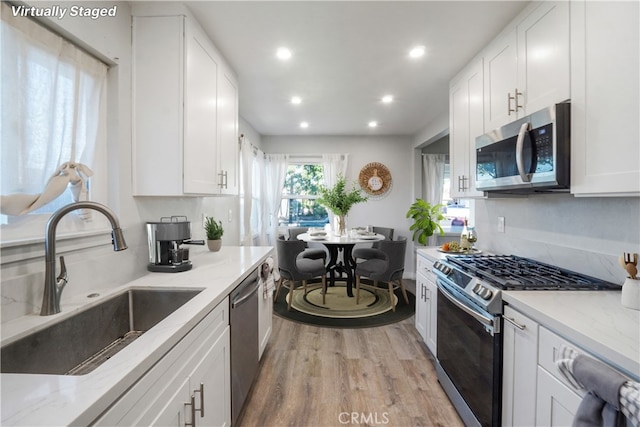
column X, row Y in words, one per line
column 395, row 152
column 581, row 234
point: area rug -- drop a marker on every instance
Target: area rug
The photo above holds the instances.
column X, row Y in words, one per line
column 341, row 311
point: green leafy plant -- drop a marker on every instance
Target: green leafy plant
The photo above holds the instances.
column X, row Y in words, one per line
column 338, row 200
column 425, row 220
column 213, row 229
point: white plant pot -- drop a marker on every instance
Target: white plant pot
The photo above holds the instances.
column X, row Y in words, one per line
column 214, row 245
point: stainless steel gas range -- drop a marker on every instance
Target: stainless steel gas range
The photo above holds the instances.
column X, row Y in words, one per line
column 469, row 350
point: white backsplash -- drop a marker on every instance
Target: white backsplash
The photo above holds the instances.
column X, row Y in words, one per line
column 582, row 234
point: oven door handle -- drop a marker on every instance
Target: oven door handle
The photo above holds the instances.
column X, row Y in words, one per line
column 480, row 318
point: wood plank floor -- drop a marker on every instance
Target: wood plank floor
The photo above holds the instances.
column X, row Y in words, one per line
column 311, row 376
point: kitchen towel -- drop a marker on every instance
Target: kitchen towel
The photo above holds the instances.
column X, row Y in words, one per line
column 610, row 397
column 268, row 277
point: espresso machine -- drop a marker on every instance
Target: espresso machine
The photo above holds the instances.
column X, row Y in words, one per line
column 164, row 239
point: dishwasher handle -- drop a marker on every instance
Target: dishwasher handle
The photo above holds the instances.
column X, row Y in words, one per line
column 239, row 300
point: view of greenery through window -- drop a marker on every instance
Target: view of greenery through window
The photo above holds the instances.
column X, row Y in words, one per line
column 299, row 206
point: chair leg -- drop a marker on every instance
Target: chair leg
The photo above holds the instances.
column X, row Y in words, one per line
column 393, row 306
column 324, row 288
column 404, row 291
column 304, row 286
column 280, row 282
column 292, row 286
column 357, row 289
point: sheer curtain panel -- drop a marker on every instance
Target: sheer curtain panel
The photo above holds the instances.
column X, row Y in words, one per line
column 433, row 173
column 51, row 98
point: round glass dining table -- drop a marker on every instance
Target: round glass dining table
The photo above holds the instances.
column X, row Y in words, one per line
column 340, row 258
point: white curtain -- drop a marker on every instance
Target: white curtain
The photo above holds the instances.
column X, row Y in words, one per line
column 263, row 177
column 433, row 173
column 276, row 172
column 51, row 107
column 333, row 165
column 246, row 192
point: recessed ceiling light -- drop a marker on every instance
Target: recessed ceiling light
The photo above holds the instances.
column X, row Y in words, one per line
column 283, row 53
column 417, row 52
column 373, row 124
column 387, row 99
column 304, row 125
column 296, row 100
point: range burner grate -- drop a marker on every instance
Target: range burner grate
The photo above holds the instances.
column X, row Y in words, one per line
column 511, row 272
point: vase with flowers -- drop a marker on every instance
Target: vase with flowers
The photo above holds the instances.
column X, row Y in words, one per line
column 339, row 201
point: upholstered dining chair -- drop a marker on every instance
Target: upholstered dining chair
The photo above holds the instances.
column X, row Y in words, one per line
column 294, row 268
column 365, row 252
column 312, row 253
column 384, row 264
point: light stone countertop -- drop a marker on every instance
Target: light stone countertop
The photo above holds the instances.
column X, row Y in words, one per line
column 30, row 399
column 596, row 321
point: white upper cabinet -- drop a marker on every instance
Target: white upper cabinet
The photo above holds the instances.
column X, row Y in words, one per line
column 466, row 119
column 229, row 149
column 527, row 68
column 605, row 104
column 185, row 111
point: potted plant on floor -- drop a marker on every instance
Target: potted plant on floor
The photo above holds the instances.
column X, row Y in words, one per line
column 339, row 201
column 214, row 232
column 425, row 220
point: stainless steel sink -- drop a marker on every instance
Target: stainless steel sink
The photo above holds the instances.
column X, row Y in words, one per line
column 81, row 343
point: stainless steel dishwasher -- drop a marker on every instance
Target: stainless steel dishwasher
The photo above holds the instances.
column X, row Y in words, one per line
column 244, row 341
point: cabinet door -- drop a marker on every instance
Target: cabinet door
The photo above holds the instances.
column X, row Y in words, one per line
column 176, row 411
column 466, row 123
column 158, row 55
column 432, row 316
column 229, row 148
column 421, row 306
column 605, row 103
column 200, row 115
column 544, row 57
column 500, row 81
column 211, row 384
column 556, row 403
column 520, row 352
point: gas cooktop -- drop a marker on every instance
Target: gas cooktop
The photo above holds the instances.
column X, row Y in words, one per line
column 511, row 272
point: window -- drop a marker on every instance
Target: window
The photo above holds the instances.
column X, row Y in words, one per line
column 456, row 210
column 299, row 194
column 53, row 113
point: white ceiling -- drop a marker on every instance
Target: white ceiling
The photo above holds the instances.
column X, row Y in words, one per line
column 346, row 56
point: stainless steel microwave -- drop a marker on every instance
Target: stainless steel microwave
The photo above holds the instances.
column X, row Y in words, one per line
column 529, row 155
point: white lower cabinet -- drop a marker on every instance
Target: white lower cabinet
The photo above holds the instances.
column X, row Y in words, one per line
column 190, row 385
column 426, row 303
column 520, row 360
column 556, row 403
column 557, row 400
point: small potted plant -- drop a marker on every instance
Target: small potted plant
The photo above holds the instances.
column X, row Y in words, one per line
column 425, row 220
column 214, row 232
column 339, row 201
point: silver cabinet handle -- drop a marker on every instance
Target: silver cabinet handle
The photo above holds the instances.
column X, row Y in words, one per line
column 509, row 109
column 192, row 403
column 514, row 323
column 201, row 391
column 515, row 101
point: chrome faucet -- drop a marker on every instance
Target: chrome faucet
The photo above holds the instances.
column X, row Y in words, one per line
column 53, row 286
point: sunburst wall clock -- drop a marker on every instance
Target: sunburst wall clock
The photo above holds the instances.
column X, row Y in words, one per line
column 375, row 180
